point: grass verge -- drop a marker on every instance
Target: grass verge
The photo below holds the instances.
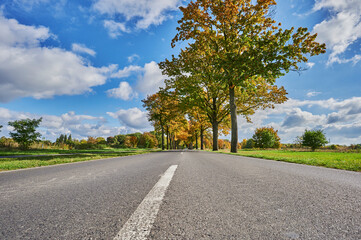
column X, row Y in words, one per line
column 60, row 151
column 38, row 161
column 338, row 160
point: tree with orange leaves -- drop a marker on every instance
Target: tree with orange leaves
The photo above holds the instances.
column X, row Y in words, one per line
column 245, row 44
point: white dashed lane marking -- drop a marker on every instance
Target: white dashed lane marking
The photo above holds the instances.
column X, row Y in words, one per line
column 140, row 223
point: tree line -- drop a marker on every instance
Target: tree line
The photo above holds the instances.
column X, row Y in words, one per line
column 234, row 53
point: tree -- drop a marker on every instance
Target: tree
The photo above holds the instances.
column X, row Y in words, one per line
column 25, row 131
column 313, row 139
column 266, row 138
column 159, row 110
column 245, row 43
column 1, row 126
column 193, row 77
column 249, row 143
column 147, row 140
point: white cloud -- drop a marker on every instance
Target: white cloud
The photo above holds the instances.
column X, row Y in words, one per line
column 79, row 126
column 29, row 70
column 312, row 93
column 124, row 92
column 151, row 80
column 81, row 48
column 133, row 117
column 133, row 57
column 341, row 119
column 145, row 12
column 115, row 29
column 342, row 29
column 127, row 71
column 310, row 64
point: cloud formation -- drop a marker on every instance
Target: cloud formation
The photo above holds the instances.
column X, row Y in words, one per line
column 341, row 30
column 149, row 79
column 133, row 117
column 143, row 12
column 81, row 48
column 124, row 92
column 79, row 126
column 340, row 119
column 115, row 29
column 28, row 69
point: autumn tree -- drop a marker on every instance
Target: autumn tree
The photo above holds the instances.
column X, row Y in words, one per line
column 266, row 137
column 200, row 122
column 156, row 105
column 245, row 43
column 164, row 113
column 194, row 79
column 25, row 131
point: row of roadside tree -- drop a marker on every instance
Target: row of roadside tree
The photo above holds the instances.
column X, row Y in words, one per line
column 234, row 52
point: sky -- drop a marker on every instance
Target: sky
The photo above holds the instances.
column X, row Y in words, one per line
column 85, row 66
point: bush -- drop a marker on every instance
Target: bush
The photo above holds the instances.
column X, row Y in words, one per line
column 147, row 140
column 266, row 138
column 313, row 139
column 224, row 144
column 249, row 144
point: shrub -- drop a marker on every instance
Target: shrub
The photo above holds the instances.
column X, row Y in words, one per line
column 249, row 144
column 147, row 140
column 313, row 139
column 266, row 138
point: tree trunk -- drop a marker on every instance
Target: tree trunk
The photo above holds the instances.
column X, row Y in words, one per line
column 215, row 135
column 174, row 142
column 234, row 132
column 167, row 138
column 196, row 140
column 202, row 137
column 162, row 138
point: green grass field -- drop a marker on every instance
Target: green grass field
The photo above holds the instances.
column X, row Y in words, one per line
column 38, row 161
column 340, row 160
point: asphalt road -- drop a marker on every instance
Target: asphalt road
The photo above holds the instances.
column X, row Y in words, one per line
column 211, row 196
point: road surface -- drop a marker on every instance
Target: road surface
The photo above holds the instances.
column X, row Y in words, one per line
column 180, row 195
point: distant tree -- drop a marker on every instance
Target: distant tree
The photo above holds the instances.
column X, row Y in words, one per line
column 101, row 140
column 1, row 127
column 70, row 140
column 266, row 138
column 147, row 140
column 91, row 141
column 110, row 140
column 249, row 144
column 25, row 131
column 313, row 139
column 119, row 140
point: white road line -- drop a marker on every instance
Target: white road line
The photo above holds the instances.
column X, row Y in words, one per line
column 140, row 223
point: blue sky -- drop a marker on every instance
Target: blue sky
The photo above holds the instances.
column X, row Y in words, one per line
column 84, row 66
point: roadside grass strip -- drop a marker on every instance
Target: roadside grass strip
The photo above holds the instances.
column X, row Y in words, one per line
column 73, row 151
column 38, row 161
column 140, row 223
column 339, row 160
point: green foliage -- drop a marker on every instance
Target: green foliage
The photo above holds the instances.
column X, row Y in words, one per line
column 25, row 131
column 1, row 127
column 119, row 140
column 313, row 139
column 249, row 144
column 147, row 140
column 266, row 138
